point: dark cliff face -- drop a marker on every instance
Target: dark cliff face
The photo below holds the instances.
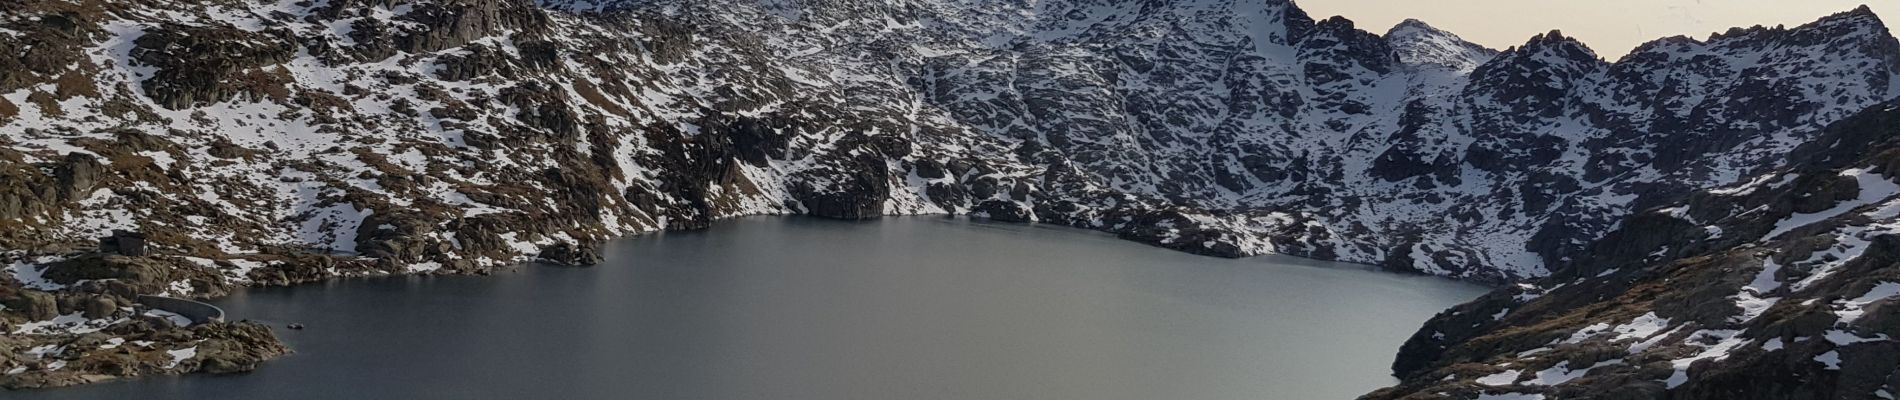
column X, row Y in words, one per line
column 289, row 142
column 1532, row 83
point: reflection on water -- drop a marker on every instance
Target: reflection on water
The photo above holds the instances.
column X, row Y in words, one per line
column 793, row 308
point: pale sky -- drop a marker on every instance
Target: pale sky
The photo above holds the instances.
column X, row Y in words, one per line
column 1611, row 27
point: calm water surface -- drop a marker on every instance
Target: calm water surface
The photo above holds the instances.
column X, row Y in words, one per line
column 791, row 308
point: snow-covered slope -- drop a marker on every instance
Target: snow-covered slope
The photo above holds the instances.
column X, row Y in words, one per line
column 275, row 141
column 1265, row 130
column 1421, row 44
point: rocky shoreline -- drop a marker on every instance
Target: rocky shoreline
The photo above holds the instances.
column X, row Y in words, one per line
column 77, row 320
column 83, row 322
column 80, row 322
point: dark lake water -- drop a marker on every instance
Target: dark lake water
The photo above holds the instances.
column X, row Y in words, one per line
column 793, row 308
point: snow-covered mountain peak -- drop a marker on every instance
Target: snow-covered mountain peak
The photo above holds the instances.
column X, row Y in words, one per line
column 1549, row 56
column 1858, row 24
column 1536, row 77
column 1861, row 16
column 1419, row 43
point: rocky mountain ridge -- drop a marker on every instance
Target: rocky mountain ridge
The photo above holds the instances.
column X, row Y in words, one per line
column 1783, row 287
column 277, row 142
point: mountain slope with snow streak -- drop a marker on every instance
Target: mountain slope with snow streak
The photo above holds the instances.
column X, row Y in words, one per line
column 1780, row 287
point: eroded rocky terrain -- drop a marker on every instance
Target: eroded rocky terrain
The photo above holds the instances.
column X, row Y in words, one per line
column 274, row 142
column 1784, row 287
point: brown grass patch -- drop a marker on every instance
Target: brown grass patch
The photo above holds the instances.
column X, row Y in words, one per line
column 73, row 84
column 593, row 96
column 8, row 110
column 49, row 106
column 273, row 83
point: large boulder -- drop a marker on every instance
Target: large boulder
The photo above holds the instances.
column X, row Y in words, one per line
column 235, row 347
column 576, row 255
column 34, row 305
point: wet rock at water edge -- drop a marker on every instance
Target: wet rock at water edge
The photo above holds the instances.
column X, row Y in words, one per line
column 581, row 255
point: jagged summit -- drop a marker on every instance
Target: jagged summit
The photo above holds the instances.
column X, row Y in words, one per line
column 1858, row 31
column 1861, row 21
column 1412, row 23
column 1863, row 11
column 1419, row 43
column 1549, row 61
column 1555, row 40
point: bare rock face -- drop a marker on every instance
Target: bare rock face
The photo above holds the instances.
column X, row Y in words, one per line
column 33, row 305
column 131, row 244
column 199, row 65
column 450, row 24
column 100, row 306
column 857, row 192
column 42, row 190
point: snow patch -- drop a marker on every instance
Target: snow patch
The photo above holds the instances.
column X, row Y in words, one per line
column 180, row 355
